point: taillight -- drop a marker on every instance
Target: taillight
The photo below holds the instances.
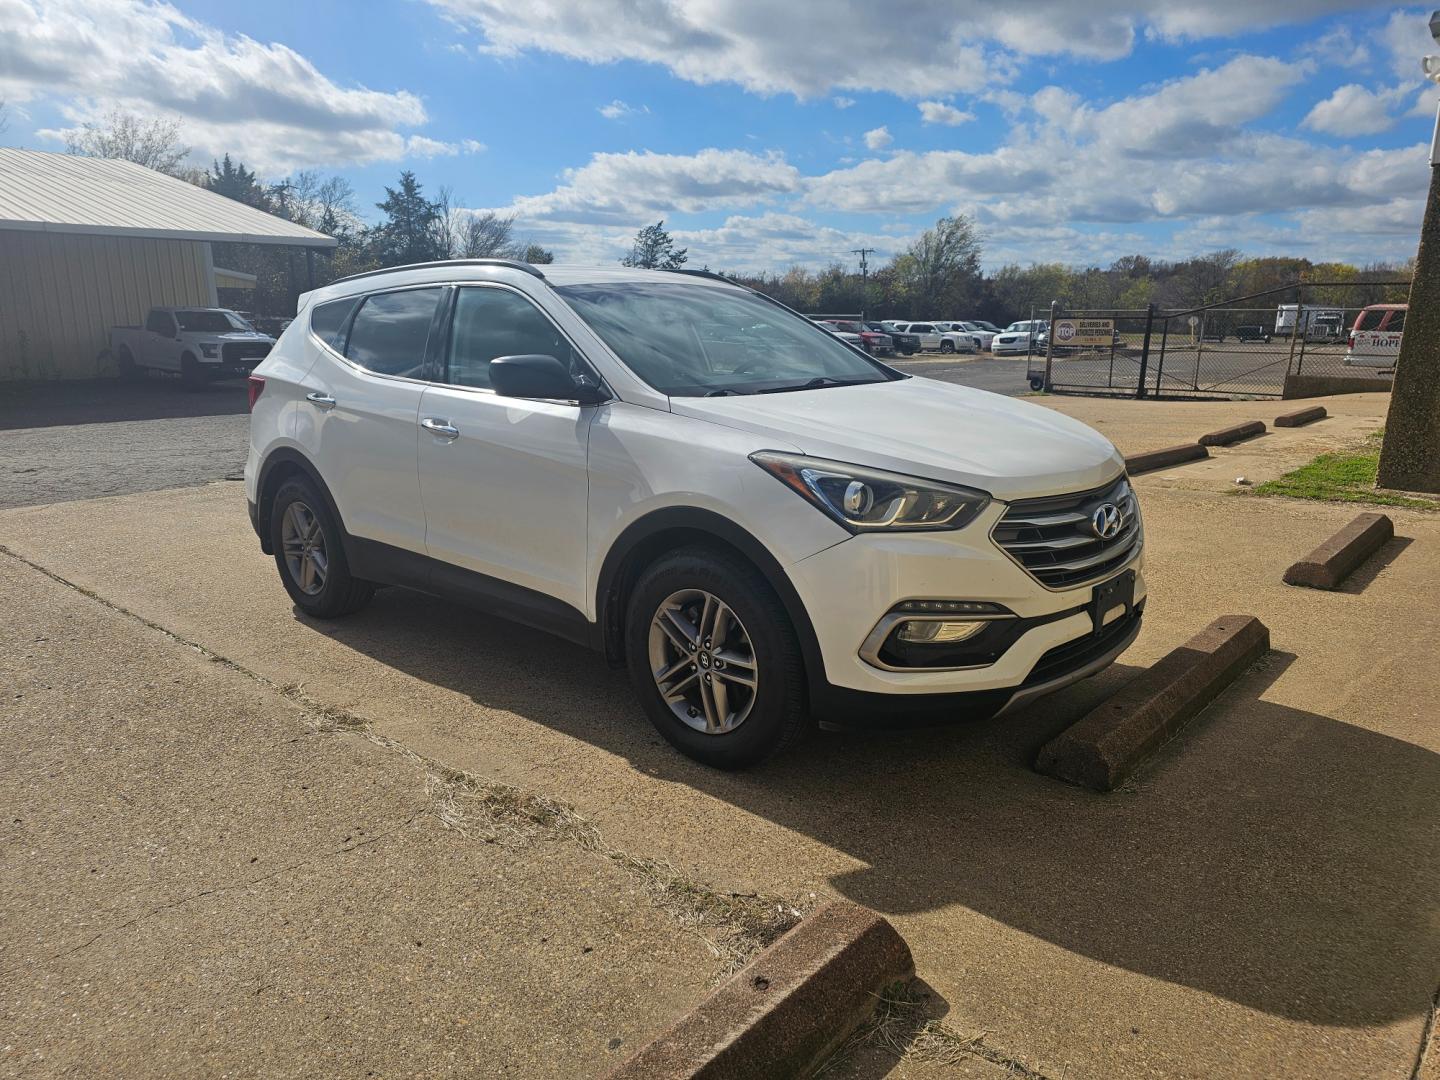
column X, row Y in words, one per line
column 256, row 386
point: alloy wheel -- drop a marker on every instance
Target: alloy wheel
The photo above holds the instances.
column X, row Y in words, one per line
column 703, row 661
column 303, row 542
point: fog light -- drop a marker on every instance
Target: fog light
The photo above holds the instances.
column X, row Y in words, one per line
column 931, row 632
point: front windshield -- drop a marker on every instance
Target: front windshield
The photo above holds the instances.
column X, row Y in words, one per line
column 210, row 322
column 691, row 340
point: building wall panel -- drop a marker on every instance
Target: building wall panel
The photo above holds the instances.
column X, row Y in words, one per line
column 60, row 293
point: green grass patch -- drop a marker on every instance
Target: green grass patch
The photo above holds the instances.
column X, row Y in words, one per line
column 1346, row 477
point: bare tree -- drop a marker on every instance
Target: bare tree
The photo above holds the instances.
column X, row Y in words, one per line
column 942, row 265
column 154, row 143
column 487, row 236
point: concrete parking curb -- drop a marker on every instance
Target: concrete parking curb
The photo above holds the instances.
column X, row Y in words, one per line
column 1160, row 459
column 1301, row 417
column 1337, row 558
column 789, row 1007
column 1104, row 747
column 1233, row 434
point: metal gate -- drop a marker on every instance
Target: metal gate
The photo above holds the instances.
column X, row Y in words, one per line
column 1241, row 347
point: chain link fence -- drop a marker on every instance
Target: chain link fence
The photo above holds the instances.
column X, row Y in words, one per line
column 1243, row 347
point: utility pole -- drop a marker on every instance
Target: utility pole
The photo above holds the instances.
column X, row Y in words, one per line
column 864, row 278
column 1410, row 454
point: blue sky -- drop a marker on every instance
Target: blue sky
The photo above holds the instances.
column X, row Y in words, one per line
column 768, row 135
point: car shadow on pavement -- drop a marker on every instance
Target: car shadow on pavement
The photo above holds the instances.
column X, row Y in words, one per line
column 1274, row 857
column 105, row 401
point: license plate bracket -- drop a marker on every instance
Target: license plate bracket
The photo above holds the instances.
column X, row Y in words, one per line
column 1119, row 591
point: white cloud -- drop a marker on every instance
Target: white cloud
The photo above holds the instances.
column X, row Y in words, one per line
column 619, row 110
column 265, row 103
column 842, row 102
column 937, row 112
column 969, row 43
column 472, row 146
column 1354, row 110
column 628, row 188
column 878, row 138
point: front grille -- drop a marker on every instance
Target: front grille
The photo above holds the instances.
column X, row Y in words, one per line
column 1054, row 540
column 233, row 351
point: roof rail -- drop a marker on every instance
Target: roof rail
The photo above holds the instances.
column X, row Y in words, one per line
column 513, row 264
column 699, row 273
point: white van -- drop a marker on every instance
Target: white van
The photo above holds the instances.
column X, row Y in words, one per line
column 1375, row 337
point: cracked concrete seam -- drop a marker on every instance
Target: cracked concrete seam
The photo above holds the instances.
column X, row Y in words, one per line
column 735, row 926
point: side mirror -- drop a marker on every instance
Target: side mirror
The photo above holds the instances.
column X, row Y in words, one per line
column 535, row 375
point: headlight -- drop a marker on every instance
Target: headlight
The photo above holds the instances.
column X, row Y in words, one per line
column 209, row 349
column 869, row 500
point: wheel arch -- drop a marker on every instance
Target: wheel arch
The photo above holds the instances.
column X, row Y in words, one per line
column 669, row 529
column 280, row 465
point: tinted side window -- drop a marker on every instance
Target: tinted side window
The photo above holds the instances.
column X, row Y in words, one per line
column 327, row 320
column 159, row 322
column 389, row 333
column 1396, row 325
column 496, row 322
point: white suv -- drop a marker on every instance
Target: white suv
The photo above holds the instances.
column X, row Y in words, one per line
column 765, row 525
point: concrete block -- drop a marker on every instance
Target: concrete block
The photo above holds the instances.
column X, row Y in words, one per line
column 795, row 1003
column 1301, row 417
column 1162, row 459
column 1337, row 558
column 1107, row 744
column 1233, row 434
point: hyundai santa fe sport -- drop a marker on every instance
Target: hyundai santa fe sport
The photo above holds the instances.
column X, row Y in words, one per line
column 766, row 526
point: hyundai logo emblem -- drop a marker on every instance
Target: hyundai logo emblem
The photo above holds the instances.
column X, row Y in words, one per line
column 1106, row 521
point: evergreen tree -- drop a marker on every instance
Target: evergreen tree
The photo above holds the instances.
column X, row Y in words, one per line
column 410, row 231
column 654, row 249
column 234, row 181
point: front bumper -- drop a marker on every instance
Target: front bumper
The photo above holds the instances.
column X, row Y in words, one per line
column 849, row 588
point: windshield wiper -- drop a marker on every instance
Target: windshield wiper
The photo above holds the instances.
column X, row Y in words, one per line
column 724, row 391
column 815, row 384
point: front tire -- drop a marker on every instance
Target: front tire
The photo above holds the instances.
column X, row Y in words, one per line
column 193, row 377
column 714, row 659
column 947, row 346
column 311, row 556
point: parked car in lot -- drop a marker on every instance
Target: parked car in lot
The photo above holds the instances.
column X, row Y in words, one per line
column 762, row 525
column 1252, row 333
column 844, row 335
column 982, row 336
column 199, row 344
column 932, row 336
column 1021, row 338
column 905, row 343
column 1374, row 340
column 875, row 342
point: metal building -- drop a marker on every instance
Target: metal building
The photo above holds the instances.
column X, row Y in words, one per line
column 90, row 243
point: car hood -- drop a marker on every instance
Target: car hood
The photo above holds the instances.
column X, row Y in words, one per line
column 923, row 427
column 242, row 335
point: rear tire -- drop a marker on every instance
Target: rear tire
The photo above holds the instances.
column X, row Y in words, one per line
column 735, row 628
column 310, row 554
column 126, row 366
column 193, row 377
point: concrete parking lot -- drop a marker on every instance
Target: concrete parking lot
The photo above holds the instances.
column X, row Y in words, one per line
column 1262, row 901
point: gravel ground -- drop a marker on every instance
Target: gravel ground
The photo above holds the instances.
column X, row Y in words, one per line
column 65, row 441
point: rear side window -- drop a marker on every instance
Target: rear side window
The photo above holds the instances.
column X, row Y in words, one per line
column 1396, row 325
column 390, row 332
column 159, row 322
column 496, row 322
column 327, row 321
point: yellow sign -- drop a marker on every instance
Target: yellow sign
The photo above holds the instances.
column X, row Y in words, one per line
column 1084, row 331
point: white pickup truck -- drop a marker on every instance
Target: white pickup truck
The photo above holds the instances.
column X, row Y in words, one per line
column 199, row 344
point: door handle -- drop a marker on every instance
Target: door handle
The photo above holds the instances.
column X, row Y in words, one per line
column 324, row 401
column 442, row 428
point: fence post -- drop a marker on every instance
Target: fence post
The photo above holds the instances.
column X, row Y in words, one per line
column 1145, row 349
column 1049, row 341
column 1160, row 367
column 1295, row 327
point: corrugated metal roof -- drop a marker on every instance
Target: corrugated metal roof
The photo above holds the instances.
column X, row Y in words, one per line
column 99, row 196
